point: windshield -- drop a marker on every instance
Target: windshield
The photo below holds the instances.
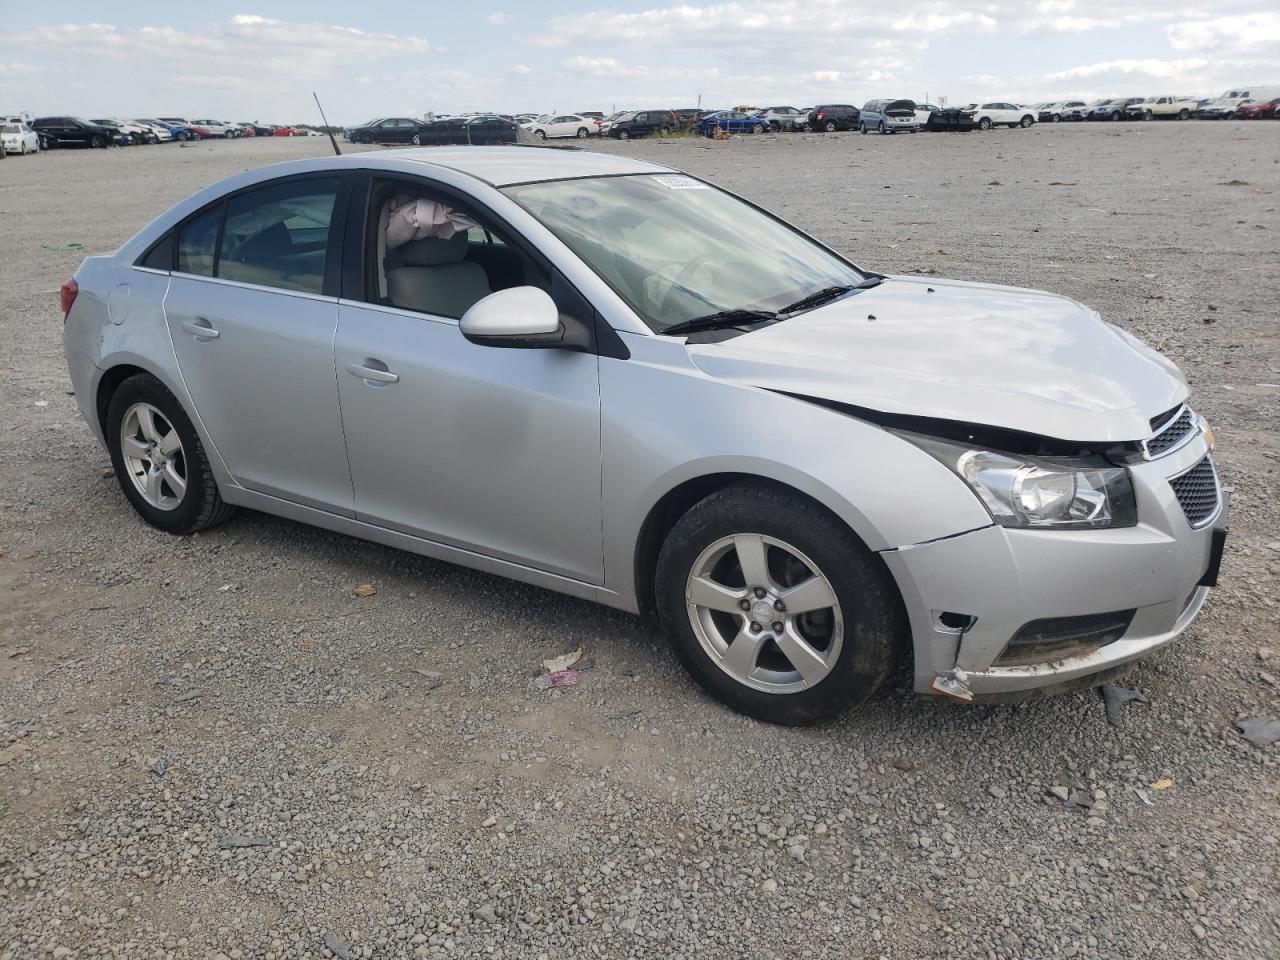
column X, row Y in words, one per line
column 675, row 248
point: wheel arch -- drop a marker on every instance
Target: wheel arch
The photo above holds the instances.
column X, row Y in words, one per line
column 676, row 502
column 117, row 369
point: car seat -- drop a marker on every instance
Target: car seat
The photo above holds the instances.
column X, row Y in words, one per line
column 432, row 275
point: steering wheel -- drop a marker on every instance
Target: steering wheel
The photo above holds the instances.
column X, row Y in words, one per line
column 698, row 260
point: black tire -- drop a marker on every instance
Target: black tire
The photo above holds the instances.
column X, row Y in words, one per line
column 757, row 128
column 1148, row 115
column 180, row 136
column 984, row 123
column 416, row 139
column 1026, row 121
column 882, row 128
column 540, row 134
column 624, row 135
column 862, row 127
column 582, row 133
column 97, row 141
column 873, row 628
column 1183, row 114
column 201, row 506
column 829, row 126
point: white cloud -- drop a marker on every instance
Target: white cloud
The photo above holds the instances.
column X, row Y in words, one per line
column 1151, row 67
column 1232, row 32
column 499, row 18
column 522, row 70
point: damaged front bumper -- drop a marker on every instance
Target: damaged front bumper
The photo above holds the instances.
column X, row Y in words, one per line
column 1114, row 595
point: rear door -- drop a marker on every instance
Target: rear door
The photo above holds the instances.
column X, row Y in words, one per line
column 252, row 308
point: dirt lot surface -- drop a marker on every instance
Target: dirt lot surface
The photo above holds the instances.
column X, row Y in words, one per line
column 164, row 701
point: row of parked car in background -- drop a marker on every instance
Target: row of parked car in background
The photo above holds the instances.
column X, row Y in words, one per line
column 26, row 134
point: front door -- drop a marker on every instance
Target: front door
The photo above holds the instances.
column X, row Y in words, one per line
column 252, row 320
column 495, row 450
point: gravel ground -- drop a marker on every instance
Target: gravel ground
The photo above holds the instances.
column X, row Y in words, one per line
column 211, row 747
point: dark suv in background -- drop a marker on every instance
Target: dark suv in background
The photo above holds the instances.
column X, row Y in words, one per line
column 834, row 116
column 642, row 123
column 72, row 131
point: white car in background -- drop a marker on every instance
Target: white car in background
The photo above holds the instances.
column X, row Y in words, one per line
column 1153, row 108
column 563, row 125
column 18, row 137
column 217, row 128
column 1000, row 114
column 161, row 130
column 924, row 111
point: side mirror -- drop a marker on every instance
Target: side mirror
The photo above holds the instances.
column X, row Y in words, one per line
column 517, row 317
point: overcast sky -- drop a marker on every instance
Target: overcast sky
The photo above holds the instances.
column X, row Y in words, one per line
column 260, row 61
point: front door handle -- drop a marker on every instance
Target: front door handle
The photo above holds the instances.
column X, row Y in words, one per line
column 373, row 370
column 200, row 327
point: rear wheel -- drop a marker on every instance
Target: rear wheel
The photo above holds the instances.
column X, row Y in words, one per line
column 775, row 607
column 1148, row 115
column 1026, row 121
column 582, row 133
column 159, row 460
column 882, row 128
column 417, row 139
column 1183, row 114
column 757, row 128
column 862, row 127
column 182, row 135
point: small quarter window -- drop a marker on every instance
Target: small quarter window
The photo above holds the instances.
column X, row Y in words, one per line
column 197, row 243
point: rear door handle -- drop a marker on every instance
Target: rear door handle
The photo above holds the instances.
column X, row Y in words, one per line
column 200, row 327
column 377, row 374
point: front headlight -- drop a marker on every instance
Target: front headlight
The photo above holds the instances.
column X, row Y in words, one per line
column 1042, row 492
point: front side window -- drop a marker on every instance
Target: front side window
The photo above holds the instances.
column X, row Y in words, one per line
column 276, row 236
column 431, row 256
column 675, row 248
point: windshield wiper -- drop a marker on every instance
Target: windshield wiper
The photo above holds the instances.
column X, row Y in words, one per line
column 830, row 293
column 719, row 321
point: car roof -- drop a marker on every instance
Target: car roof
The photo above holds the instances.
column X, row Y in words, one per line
column 503, row 166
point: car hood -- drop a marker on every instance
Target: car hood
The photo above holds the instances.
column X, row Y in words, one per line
column 979, row 353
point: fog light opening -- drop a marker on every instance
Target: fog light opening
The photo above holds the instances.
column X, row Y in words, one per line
column 947, row 621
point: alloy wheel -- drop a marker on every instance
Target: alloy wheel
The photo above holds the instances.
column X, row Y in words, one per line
column 153, row 456
column 764, row 613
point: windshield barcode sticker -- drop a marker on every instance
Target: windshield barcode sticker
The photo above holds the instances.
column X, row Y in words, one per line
column 681, row 183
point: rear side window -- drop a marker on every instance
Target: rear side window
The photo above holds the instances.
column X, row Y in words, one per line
column 197, row 243
column 277, row 236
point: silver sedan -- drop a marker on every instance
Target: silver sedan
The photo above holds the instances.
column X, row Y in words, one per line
column 617, row 381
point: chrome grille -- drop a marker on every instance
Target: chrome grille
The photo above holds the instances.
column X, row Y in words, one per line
column 1197, row 492
column 1177, row 428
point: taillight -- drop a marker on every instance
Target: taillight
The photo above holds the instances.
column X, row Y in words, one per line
column 820, row 114
column 67, row 296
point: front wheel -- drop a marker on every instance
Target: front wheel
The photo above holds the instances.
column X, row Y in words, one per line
column 775, row 607
column 159, row 460
column 829, row 126
column 984, row 123
column 540, row 134
column 180, row 137
column 862, row 127
column 97, row 141
column 624, row 135
column 417, row 139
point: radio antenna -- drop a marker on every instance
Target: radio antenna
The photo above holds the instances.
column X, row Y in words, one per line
column 327, row 128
